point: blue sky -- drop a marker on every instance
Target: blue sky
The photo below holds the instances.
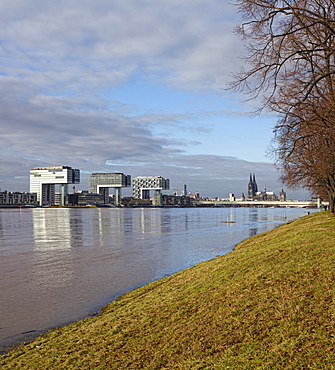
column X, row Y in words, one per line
column 136, row 86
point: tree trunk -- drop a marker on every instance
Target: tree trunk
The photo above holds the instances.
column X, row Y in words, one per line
column 331, row 198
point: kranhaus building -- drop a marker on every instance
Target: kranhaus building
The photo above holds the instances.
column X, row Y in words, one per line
column 44, row 179
column 100, row 183
column 143, row 185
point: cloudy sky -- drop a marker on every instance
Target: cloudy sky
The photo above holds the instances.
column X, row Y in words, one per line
column 136, row 86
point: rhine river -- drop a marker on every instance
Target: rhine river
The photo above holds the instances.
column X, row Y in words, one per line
column 59, row 265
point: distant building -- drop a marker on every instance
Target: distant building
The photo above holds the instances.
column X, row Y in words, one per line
column 184, row 190
column 85, row 198
column 177, row 201
column 143, row 185
column 132, row 202
column 99, row 183
column 254, row 194
column 265, row 195
column 252, row 187
column 282, row 196
column 16, row 198
column 195, row 196
column 44, row 179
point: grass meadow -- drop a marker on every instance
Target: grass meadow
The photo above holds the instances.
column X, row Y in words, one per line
column 269, row 304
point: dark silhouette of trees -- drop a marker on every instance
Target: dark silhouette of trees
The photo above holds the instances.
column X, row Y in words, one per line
column 290, row 67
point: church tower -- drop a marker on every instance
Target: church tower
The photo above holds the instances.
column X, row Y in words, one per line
column 252, row 187
column 282, row 195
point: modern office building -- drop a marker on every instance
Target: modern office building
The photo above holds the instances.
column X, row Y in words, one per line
column 44, row 179
column 84, row 198
column 143, row 185
column 101, row 182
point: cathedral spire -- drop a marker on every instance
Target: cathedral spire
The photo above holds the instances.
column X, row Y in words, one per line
column 251, row 187
column 255, row 184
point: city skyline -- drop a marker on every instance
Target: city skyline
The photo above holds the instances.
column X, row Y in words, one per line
column 55, row 175
column 82, row 85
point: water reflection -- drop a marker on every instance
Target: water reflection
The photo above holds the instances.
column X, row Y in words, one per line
column 253, row 219
column 58, row 265
column 52, row 229
column 52, row 267
column 149, row 222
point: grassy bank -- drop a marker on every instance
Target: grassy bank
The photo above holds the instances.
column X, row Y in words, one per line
column 267, row 305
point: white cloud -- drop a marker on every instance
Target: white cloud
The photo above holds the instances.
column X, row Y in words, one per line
column 186, row 43
column 59, row 59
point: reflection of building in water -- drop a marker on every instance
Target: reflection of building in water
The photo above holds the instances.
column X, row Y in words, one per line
column 53, row 242
column 52, row 229
column 253, row 219
column 101, row 182
column 148, row 222
column 143, row 185
column 44, row 179
column 109, row 226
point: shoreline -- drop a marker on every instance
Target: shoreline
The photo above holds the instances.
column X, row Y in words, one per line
column 31, row 335
column 163, row 281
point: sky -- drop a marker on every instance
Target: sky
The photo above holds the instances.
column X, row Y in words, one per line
column 136, row 86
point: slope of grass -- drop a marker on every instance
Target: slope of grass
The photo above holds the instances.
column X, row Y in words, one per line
column 267, row 305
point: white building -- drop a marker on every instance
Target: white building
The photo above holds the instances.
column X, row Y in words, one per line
column 44, row 179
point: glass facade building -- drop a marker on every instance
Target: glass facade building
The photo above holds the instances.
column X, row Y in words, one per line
column 101, row 182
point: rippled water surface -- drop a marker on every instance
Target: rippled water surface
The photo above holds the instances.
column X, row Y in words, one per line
column 58, row 265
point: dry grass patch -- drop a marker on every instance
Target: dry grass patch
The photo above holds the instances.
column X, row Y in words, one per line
column 267, row 305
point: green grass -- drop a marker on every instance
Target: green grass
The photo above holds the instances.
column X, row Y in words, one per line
column 267, row 305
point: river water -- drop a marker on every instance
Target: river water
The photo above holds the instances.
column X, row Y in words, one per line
column 59, row 265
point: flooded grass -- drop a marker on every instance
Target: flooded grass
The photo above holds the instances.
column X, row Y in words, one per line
column 267, row 305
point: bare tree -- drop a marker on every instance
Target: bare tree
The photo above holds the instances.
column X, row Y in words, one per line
column 290, row 64
column 305, row 148
column 287, row 42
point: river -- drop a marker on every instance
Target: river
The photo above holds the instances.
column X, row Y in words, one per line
column 59, row 265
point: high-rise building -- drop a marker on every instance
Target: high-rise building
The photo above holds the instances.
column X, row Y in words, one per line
column 44, row 179
column 100, row 183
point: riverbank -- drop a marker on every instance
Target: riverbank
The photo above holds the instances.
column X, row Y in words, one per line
column 267, row 305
